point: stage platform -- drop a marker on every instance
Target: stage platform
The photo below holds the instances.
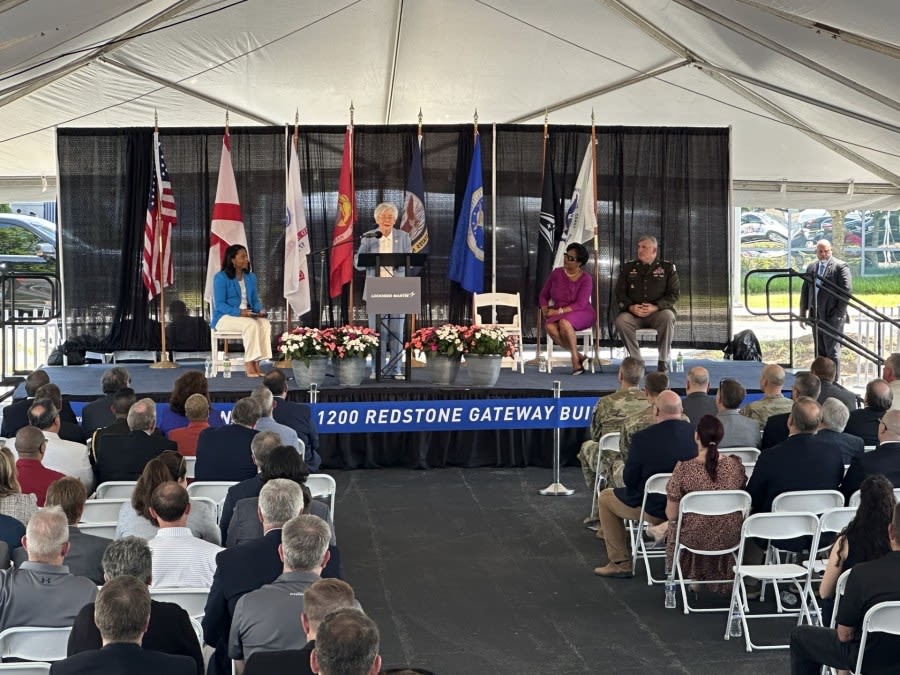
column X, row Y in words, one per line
column 415, row 449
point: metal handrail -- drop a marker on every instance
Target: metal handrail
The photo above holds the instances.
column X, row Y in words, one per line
column 11, row 317
column 878, row 317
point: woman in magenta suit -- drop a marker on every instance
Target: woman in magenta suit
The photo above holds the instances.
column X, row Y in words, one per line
column 566, row 303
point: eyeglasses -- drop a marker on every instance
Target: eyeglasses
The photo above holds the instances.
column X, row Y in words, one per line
column 571, row 258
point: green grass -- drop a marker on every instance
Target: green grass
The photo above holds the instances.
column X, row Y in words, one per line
column 757, row 301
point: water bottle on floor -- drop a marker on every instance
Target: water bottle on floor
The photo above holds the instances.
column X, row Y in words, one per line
column 736, row 629
column 670, row 593
column 226, row 368
column 679, row 363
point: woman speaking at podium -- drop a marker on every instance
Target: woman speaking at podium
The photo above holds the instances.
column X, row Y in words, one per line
column 386, row 239
column 236, row 306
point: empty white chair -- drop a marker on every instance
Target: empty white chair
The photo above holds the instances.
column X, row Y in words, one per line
column 323, row 485
column 512, row 304
column 115, row 489
column 214, row 489
column 813, row 501
column 34, row 643
column 102, row 510
column 747, row 454
column 882, row 618
column 106, row 530
column 656, row 484
column 191, row 600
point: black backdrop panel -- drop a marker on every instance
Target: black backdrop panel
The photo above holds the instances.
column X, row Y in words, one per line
column 669, row 182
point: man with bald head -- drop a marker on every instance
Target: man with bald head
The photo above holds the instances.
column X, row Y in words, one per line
column 885, row 459
column 864, row 422
column 773, row 402
column 801, row 462
column 656, row 449
column 697, row 401
column 776, row 427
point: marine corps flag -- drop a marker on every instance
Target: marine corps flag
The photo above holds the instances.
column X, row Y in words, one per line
column 341, row 269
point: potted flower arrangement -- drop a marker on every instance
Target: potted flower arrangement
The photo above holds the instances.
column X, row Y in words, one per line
column 309, row 350
column 352, row 344
column 443, row 347
column 485, row 348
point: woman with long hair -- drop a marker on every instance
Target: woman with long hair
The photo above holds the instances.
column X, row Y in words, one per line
column 236, row 306
column 707, row 471
column 173, row 416
column 135, row 518
column 12, row 502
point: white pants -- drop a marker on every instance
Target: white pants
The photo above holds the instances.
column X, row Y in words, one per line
column 255, row 333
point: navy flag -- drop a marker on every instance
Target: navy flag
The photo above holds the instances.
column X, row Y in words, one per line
column 413, row 217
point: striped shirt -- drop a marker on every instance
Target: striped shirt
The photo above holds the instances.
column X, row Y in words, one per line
column 181, row 560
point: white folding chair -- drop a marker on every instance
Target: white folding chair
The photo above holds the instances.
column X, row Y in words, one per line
column 706, row 503
column 747, row 454
column 30, row 668
column 105, row 530
column 323, row 485
column 608, row 441
column 115, row 489
column 813, row 501
column 213, row 506
column 512, row 304
column 831, row 521
column 191, row 600
column 784, row 525
column 102, row 510
column 216, row 490
column 882, row 618
column 655, row 485
column 189, row 464
column 34, row 643
column 748, row 469
column 198, row 629
column 216, row 334
column 838, row 594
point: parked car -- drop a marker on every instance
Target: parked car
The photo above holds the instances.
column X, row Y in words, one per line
column 27, row 244
column 759, row 226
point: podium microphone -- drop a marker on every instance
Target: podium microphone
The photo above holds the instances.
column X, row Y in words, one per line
column 372, row 234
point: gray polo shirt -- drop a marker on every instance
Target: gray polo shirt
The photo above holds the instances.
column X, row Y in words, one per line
column 269, row 617
column 38, row 594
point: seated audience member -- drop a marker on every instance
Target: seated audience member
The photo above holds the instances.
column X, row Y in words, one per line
column 346, row 644
column 123, row 399
column 707, row 471
column 295, row 415
column 100, row 412
column 260, row 447
column 824, row 368
column 740, row 431
column 266, row 401
column 831, row 430
column 863, row 539
column 799, row 463
column 885, row 459
column 771, row 382
column 124, row 457
column 697, row 401
column 319, row 600
column 196, row 409
column 33, row 476
column 245, row 568
column 186, row 333
column 170, row 629
column 775, row 429
column 15, row 415
column 135, row 517
column 654, row 385
column 85, row 550
column 864, row 422
column 264, row 619
column 11, row 533
column 654, row 450
column 868, row 584
column 41, row 591
column 67, row 457
column 12, row 502
column 122, row 614
column 224, row 453
column 180, row 560
column 68, row 431
column 608, row 416
column 891, row 375
column 173, row 416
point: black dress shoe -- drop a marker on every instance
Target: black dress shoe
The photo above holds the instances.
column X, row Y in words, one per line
column 661, row 366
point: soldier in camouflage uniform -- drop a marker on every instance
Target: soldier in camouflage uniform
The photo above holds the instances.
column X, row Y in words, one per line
column 609, row 413
column 773, row 402
column 646, row 293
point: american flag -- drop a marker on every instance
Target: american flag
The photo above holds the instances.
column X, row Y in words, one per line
column 150, row 269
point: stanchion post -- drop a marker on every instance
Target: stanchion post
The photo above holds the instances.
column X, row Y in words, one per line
column 556, row 488
column 313, row 393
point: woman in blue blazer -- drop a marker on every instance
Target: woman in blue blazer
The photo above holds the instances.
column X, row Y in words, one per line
column 236, row 307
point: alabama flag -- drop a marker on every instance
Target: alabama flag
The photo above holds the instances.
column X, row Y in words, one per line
column 227, row 223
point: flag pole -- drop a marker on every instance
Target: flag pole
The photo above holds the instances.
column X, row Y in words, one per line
column 352, row 213
column 416, row 363
column 164, row 355
column 539, row 324
column 285, row 363
column 596, row 344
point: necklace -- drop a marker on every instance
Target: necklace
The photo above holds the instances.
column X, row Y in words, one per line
column 576, row 274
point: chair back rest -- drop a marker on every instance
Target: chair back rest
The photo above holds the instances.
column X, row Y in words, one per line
column 31, row 668
column 783, row 525
column 748, row 469
column 715, row 502
column 115, row 489
column 214, row 507
column 610, row 441
column 814, row 501
column 493, row 301
column 882, row 618
column 34, row 643
column 835, row 520
column 190, row 463
column 655, row 485
column 105, row 530
column 102, row 510
column 191, row 600
column 838, row 594
column 747, row 454
column 323, row 485
column 214, row 489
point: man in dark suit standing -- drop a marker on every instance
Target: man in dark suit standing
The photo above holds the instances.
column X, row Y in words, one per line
column 247, row 567
column 831, row 430
column 864, row 422
column 122, row 612
column 223, row 453
column 776, row 429
column 826, row 307
column 655, row 449
column 884, row 460
column 99, row 413
column 295, row 415
column 123, row 457
column 799, row 463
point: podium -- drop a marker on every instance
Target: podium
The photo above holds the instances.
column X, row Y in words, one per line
column 393, row 295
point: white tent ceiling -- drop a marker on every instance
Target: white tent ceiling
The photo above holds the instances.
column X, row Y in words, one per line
column 809, row 87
